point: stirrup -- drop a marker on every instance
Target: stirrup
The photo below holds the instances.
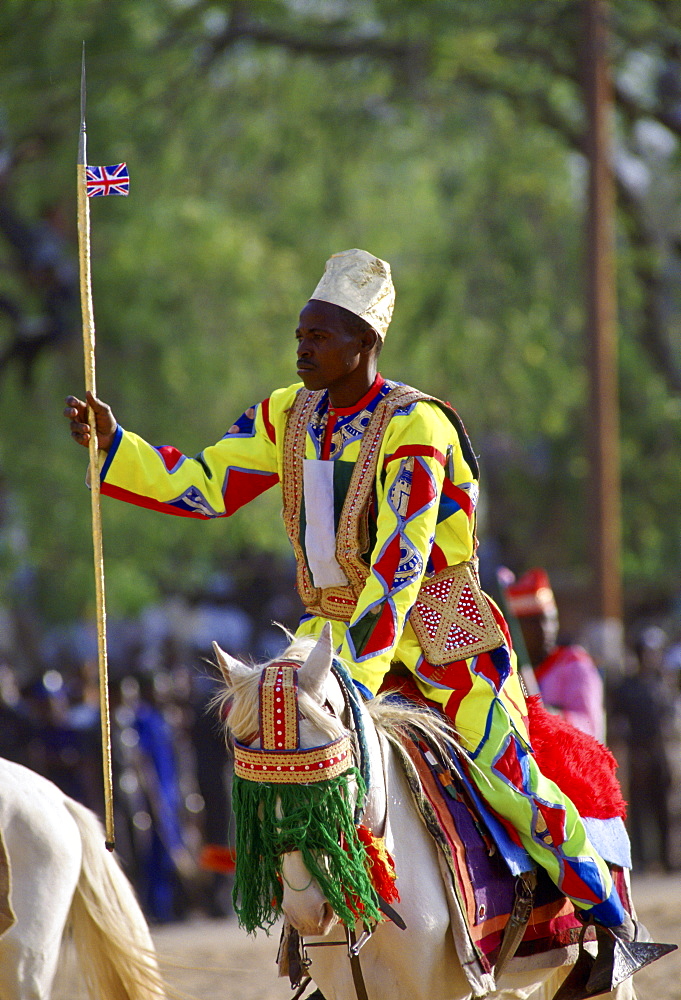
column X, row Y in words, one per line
column 615, row 961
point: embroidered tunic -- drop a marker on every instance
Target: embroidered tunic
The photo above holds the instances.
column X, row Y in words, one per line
column 420, row 522
column 415, row 527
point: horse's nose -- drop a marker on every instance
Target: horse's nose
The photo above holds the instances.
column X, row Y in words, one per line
column 325, row 920
column 310, row 923
column 328, row 918
column 303, row 901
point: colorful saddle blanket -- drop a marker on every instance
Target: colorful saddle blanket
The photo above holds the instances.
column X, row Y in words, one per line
column 481, row 877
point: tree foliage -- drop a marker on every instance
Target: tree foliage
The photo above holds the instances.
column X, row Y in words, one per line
column 446, row 136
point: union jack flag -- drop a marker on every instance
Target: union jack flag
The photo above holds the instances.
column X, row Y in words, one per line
column 107, row 180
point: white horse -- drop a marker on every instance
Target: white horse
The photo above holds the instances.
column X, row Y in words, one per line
column 62, row 877
column 421, row 962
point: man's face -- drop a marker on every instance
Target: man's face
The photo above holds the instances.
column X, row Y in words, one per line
column 540, row 633
column 330, row 356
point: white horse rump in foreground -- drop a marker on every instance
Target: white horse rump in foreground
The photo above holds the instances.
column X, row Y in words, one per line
column 61, row 876
column 416, row 963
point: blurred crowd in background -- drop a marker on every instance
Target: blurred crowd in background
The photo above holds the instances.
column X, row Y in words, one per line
column 169, row 759
column 170, row 763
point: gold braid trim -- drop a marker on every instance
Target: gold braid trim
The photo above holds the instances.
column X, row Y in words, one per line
column 295, row 438
column 352, row 539
column 353, row 530
column 293, row 767
column 279, row 706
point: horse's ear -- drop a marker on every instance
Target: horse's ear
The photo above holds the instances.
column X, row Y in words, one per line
column 314, row 672
column 231, row 669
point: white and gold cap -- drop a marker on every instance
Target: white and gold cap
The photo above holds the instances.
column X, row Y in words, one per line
column 361, row 283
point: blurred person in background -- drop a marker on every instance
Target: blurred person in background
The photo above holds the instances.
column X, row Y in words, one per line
column 55, row 748
column 643, row 712
column 569, row 680
column 15, row 725
column 163, row 860
column 214, row 783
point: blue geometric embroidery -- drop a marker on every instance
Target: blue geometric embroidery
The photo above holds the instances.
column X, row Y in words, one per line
column 348, row 427
column 193, row 500
column 245, row 426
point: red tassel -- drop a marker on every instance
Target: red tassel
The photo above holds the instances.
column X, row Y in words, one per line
column 381, row 865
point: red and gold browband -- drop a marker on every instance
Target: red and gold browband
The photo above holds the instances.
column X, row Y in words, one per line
column 293, row 767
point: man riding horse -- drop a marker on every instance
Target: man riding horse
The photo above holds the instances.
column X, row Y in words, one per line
column 380, row 487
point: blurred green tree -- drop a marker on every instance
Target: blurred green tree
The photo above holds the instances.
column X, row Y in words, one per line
column 445, row 136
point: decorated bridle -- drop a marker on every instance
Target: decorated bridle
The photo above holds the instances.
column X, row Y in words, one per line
column 287, row 798
column 280, row 760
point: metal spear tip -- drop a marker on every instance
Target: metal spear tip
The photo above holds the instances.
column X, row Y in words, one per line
column 82, row 158
column 82, row 88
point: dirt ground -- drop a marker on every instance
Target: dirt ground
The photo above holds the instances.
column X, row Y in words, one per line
column 206, row 959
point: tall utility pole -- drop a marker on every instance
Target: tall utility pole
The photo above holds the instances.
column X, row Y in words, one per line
column 603, row 496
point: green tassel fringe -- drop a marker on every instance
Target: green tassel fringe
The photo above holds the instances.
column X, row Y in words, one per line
column 274, row 819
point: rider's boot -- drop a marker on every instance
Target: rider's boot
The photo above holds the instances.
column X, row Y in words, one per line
column 622, row 951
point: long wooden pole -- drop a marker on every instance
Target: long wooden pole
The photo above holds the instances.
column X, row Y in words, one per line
column 604, row 632
column 90, row 385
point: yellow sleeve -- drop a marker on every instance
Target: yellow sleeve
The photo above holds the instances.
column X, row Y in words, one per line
column 214, row 483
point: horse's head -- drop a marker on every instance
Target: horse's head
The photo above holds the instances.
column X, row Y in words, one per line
column 296, row 787
column 317, row 695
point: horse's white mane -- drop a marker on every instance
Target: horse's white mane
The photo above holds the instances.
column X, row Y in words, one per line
column 389, row 716
column 238, row 703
